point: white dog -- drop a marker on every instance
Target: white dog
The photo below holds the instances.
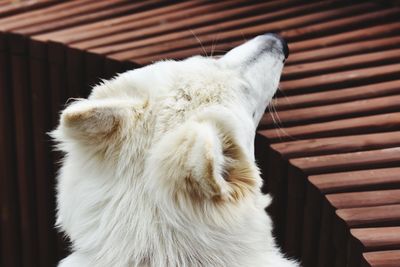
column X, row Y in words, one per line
column 159, row 164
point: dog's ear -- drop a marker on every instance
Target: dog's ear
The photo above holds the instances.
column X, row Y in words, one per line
column 203, row 161
column 93, row 121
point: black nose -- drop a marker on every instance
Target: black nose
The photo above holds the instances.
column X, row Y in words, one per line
column 285, row 47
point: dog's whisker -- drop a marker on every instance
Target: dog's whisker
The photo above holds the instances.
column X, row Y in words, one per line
column 213, row 46
column 277, row 128
column 279, row 124
column 284, row 95
column 272, row 115
column 200, row 43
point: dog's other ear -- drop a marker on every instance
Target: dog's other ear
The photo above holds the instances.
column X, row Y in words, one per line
column 93, row 121
column 202, row 161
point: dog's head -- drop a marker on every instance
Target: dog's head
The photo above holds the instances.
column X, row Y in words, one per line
column 181, row 131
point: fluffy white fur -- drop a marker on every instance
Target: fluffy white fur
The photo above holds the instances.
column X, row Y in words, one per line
column 159, row 165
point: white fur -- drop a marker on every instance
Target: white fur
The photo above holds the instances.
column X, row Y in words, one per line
column 151, row 162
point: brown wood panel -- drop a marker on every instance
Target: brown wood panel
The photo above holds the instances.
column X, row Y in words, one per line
column 356, row 209
column 38, row 16
column 341, row 24
column 328, row 112
column 377, row 216
column 215, row 30
column 24, row 148
column 97, row 12
column 370, row 216
column 181, row 19
column 339, row 64
column 276, row 10
column 214, row 49
column 343, row 127
column 252, row 31
column 371, row 239
column 295, row 203
column 342, row 38
column 312, row 208
column 9, row 8
column 44, row 178
column 336, row 145
column 378, row 237
column 351, row 47
column 341, row 79
column 364, row 198
column 299, row 189
column 348, row 161
column 57, row 79
column 9, row 199
column 388, row 258
column 108, row 26
column 357, row 180
column 337, row 96
column 58, row 95
column 335, row 131
column 278, row 182
column 342, row 201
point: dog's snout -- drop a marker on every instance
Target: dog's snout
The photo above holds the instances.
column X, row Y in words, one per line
column 270, row 44
column 273, row 37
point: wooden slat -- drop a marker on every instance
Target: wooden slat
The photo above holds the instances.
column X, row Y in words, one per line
column 348, row 161
column 285, row 12
column 252, row 30
column 370, row 216
column 9, row 8
column 357, row 180
column 37, row 16
column 352, row 47
column 366, row 124
column 370, row 239
column 341, row 38
column 337, row 96
column 340, row 24
column 383, row 215
column 344, row 63
column 345, row 201
column 180, row 20
column 114, row 25
column 342, row 79
column 24, row 150
column 378, row 238
column 300, row 168
column 44, row 184
column 11, row 242
column 364, row 199
column 96, row 12
column 388, row 258
column 333, row 143
column 327, row 112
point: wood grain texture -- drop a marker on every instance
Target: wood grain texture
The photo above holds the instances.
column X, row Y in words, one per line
column 329, row 154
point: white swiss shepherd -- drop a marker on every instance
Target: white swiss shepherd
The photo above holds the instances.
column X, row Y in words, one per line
column 159, row 164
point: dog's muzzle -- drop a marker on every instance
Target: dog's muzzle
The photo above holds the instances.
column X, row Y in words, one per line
column 251, row 51
column 283, row 43
column 276, row 42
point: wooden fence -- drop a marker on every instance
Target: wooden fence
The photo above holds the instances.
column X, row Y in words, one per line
column 330, row 154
